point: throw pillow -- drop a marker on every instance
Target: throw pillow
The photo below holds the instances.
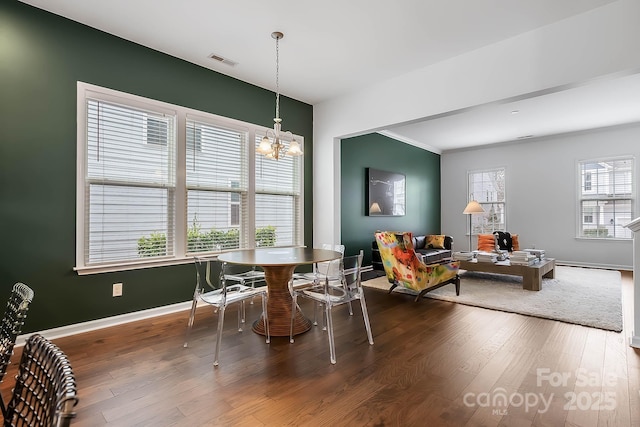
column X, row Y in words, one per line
column 419, row 242
column 514, row 240
column 435, row 241
column 486, row 242
column 503, row 241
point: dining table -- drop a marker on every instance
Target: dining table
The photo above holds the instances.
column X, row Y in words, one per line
column 278, row 264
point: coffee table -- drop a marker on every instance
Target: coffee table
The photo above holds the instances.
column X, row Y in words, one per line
column 531, row 274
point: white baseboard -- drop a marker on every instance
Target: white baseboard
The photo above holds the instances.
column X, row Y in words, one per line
column 592, row 265
column 78, row 328
column 634, row 341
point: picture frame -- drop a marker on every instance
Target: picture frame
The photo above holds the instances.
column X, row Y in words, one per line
column 385, row 193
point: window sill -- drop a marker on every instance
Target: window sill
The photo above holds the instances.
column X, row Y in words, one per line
column 604, row 239
column 110, row 268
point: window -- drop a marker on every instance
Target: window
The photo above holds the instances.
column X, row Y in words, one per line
column 278, row 199
column 587, row 181
column 487, row 188
column 606, row 198
column 158, row 183
column 157, row 131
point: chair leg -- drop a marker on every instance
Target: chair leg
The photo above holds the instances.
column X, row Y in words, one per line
column 265, row 316
column 241, row 316
column 294, row 302
column 332, row 345
column 458, row 285
column 192, row 316
column 315, row 315
column 345, row 287
column 324, row 319
column 219, row 337
column 365, row 315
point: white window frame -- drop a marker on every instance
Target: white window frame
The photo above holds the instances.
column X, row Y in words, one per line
column 486, row 201
column 180, row 226
column 236, row 203
column 582, row 214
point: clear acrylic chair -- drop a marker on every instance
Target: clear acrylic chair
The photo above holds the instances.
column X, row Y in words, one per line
column 320, row 272
column 11, row 326
column 350, row 289
column 45, row 393
column 232, row 287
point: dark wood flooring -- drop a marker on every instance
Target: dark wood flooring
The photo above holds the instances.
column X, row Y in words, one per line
column 433, row 363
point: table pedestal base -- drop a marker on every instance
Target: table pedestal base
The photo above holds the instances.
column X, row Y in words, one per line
column 279, row 305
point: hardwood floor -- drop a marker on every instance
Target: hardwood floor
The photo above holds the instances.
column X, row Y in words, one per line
column 433, row 363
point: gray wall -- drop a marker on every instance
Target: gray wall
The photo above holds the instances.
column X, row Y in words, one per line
column 541, row 191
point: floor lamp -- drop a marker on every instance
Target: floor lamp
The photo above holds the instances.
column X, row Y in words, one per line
column 472, row 208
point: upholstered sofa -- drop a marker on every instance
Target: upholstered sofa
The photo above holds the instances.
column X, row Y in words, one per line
column 433, row 248
column 403, row 267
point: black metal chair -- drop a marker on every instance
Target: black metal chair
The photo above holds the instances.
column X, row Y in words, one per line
column 11, row 326
column 45, row 393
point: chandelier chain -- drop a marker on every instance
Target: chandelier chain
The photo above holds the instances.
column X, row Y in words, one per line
column 277, row 78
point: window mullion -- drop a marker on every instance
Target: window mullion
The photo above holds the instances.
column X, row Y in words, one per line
column 249, row 223
column 181, row 222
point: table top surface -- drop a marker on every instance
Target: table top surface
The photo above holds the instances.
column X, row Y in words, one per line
column 279, row 256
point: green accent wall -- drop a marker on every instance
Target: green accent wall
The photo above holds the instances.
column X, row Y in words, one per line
column 422, row 171
column 42, row 56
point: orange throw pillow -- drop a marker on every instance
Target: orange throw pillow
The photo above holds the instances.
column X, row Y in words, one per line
column 486, row 243
column 514, row 242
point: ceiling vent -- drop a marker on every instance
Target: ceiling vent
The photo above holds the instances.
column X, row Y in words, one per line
column 223, row 60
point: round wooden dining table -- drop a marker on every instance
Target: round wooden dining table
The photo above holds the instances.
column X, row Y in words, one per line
column 278, row 265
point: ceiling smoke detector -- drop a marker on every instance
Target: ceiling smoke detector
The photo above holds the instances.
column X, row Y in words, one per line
column 222, row 59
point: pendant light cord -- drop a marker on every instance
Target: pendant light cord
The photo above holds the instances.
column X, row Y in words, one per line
column 277, row 77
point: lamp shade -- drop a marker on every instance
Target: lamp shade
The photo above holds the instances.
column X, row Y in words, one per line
column 473, row 208
column 375, row 208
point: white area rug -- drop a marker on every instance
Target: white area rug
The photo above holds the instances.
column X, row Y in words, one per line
column 584, row 296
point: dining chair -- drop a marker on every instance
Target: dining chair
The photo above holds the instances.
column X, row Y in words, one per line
column 350, row 289
column 221, row 294
column 45, row 393
column 11, row 326
column 320, row 271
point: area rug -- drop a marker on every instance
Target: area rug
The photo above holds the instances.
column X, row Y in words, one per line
column 584, row 296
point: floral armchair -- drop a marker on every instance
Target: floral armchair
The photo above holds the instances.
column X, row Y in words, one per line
column 404, row 268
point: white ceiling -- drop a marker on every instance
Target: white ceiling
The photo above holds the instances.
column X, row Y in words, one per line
column 335, row 47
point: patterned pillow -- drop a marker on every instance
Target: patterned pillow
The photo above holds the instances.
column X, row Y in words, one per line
column 435, row 241
column 503, row 241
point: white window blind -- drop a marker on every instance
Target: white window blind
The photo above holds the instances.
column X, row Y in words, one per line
column 129, row 182
column 278, row 199
column 606, row 198
column 487, row 187
column 216, row 182
column 158, row 183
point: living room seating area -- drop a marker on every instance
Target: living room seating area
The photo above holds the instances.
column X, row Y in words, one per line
column 403, row 267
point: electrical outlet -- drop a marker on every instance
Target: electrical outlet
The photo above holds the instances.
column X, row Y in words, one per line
column 117, row 289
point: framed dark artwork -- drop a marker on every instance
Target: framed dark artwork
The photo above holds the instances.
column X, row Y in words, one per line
column 385, row 193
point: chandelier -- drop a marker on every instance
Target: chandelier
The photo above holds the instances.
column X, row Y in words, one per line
column 272, row 145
